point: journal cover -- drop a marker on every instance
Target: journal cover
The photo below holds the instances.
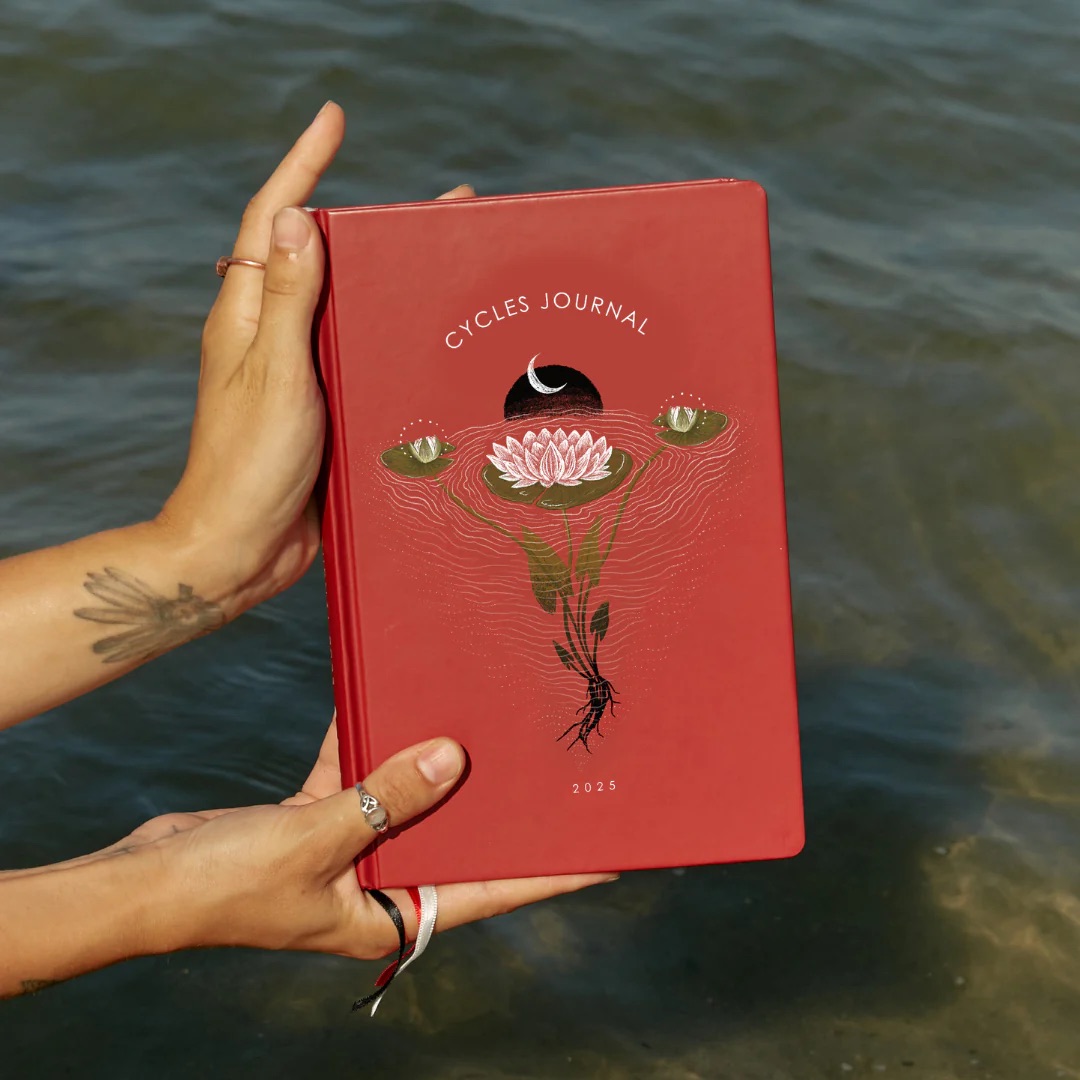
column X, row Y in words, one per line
column 555, row 527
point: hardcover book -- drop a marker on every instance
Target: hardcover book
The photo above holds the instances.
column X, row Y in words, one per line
column 554, row 527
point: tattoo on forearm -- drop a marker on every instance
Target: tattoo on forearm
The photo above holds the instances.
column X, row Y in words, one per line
column 31, row 986
column 156, row 622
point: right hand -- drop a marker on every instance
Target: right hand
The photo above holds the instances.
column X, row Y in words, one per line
column 282, row 877
column 244, row 508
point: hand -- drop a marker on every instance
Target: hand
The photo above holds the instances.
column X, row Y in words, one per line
column 245, row 499
column 282, row 877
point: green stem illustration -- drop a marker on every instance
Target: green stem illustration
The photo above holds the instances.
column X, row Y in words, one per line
column 583, row 610
column 584, row 664
column 480, row 517
column 625, row 499
column 600, row 694
column 552, row 581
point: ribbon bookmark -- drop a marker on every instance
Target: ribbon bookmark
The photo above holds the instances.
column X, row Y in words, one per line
column 425, row 900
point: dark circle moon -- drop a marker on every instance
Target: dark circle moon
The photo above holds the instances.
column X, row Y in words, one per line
column 578, row 396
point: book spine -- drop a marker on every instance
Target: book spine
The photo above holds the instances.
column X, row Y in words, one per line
column 342, row 599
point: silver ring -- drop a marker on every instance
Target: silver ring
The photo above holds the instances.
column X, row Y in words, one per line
column 374, row 813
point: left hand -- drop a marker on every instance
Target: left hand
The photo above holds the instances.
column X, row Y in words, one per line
column 245, row 499
column 282, row 877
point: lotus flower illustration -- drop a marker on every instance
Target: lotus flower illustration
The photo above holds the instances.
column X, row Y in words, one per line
column 552, row 458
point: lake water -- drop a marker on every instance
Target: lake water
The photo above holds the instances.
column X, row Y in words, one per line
column 921, row 159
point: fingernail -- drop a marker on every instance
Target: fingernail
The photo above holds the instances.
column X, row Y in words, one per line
column 440, row 762
column 323, row 109
column 611, row 877
column 292, row 231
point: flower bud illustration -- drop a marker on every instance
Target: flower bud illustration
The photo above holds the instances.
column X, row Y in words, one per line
column 425, row 450
column 681, row 418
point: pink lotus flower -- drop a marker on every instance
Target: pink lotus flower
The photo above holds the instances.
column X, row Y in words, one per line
column 549, row 459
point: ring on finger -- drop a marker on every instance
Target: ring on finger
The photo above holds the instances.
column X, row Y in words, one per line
column 374, row 812
column 223, row 264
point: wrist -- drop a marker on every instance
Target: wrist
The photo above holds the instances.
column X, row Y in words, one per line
column 200, row 900
column 202, row 560
column 164, row 905
column 151, row 914
column 235, row 571
column 174, row 914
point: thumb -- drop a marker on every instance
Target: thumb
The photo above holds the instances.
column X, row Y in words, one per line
column 406, row 785
column 291, row 285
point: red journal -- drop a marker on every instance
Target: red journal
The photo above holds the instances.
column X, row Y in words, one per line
column 555, row 527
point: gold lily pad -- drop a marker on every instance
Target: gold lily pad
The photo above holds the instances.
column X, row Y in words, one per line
column 707, row 425
column 401, row 460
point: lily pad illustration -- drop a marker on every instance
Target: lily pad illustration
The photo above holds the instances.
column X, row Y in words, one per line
column 423, row 457
column 690, row 427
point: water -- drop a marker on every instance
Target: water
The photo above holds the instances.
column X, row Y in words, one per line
column 920, row 159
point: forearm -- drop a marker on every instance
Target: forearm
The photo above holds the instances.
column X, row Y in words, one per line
column 76, row 616
column 63, row 921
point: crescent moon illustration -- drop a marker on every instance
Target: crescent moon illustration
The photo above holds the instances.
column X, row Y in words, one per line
column 536, row 384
